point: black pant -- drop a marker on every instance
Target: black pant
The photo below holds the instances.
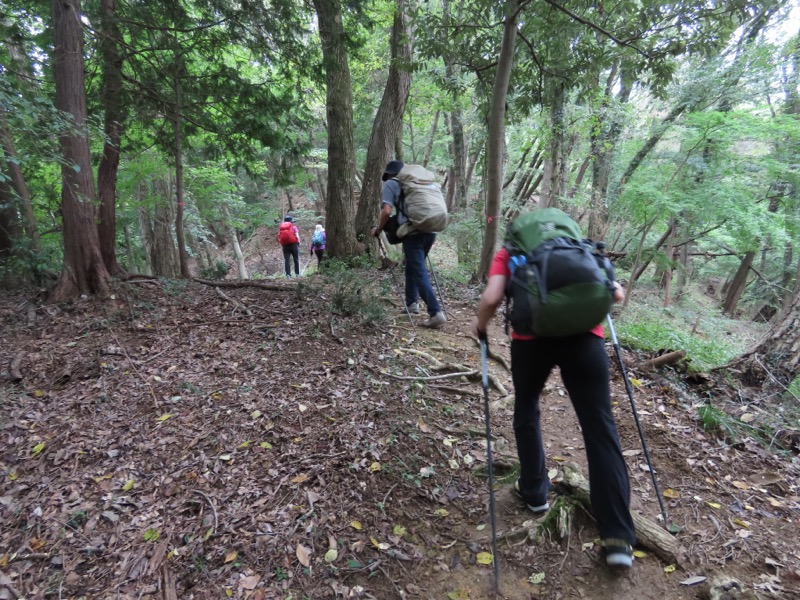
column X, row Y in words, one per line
column 584, row 369
column 320, row 255
column 292, row 250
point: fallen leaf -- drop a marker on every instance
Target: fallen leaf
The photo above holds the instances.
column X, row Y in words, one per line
column 399, row 530
column 225, row 457
column 537, row 578
column 423, row 427
column 230, row 556
column 164, row 417
column 356, row 525
column 694, row 580
column 636, row 382
column 484, row 558
column 747, row 418
column 449, row 441
column 38, row 448
column 458, row 595
column 128, row 485
column 713, row 504
column 741, row 485
column 249, row 583
column 245, row 444
column 379, row 545
column 670, row 493
column 303, row 555
column 441, row 512
column 669, row 569
column 741, row 523
column 376, row 466
column 300, row 478
column 255, row 414
column 331, row 555
column 302, row 407
column 453, row 464
column 266, row 445
column 639, row 553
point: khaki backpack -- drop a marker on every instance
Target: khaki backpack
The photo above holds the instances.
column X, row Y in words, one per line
column 422, row 201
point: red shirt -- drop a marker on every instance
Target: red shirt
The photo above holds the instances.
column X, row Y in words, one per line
column 500, row 267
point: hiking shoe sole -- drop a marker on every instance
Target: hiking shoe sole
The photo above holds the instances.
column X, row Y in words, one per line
column 534, row 509
column 619, row 555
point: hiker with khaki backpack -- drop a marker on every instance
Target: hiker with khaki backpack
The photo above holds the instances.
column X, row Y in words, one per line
column 560, row 290
column 420, row 211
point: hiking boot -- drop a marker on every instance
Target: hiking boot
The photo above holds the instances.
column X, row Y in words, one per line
column 619, row 553
column 534, row 509
column 412, row 308
column 435, row 321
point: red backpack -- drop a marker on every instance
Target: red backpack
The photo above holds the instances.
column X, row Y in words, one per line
column 286, row 234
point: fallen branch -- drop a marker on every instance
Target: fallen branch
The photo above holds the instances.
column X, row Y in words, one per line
column 275, row 287
column 14, row 371
column 430, row 377
column 665, row 359
column 170, row 593
column 213, row 508
column 236, row 304
column 455, row 390
column 493, row 355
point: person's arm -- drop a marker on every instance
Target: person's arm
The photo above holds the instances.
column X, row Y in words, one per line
column 386, row 212
column 490, row 299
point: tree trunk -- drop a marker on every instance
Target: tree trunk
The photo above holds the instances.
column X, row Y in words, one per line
column 18, row 184
column 460, row 151
column 669, row 252
column 496, row 137
column 163, row 254
column 339, row 206
column 775, row 362
column 388, row 121
column 555, row 164
column 429, row 146
column 183, row 255
column 9, row 223
column 237, row 249
column 108, row 47
column 130, row 253
column 738, row 284
column 83, row 271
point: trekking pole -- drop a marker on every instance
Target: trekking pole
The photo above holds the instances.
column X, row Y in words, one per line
column 485, row 381
column 436, row 281
column 394, row 279
column 308, row 262
column 629, row 389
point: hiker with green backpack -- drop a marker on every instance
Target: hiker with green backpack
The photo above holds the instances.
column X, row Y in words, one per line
column 560, row 289
column 420, row 211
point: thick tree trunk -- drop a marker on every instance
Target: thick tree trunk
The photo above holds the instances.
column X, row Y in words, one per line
column 163, row 253
column 495, row 143
column 84, row 271
column 456, row 124
column 114, row 115
column 388, row 121
column 339, row 206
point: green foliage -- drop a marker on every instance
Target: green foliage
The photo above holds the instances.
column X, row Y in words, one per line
column 218, row 271
column 652, row 331
column 354, row 290
column 714, row 420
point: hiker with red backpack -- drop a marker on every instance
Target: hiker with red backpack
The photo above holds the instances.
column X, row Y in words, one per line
column 560, row 290
column 420, row 211
column 289, row 239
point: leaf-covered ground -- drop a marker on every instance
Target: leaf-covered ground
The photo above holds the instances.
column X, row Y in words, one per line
column 167, row 444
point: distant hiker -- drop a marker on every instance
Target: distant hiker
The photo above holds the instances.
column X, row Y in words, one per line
column 318, row 241
column 420, row 212
column 547, row 269
column 289, row 238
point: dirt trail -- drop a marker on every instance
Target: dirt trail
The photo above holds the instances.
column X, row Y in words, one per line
column 166, row 440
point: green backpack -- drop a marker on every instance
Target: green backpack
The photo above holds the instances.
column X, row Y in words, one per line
column 557, row 286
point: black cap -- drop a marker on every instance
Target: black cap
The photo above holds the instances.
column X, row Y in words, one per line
column 288, row 218
column 393, row 167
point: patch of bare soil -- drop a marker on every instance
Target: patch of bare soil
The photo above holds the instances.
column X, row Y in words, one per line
column 167, row 444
